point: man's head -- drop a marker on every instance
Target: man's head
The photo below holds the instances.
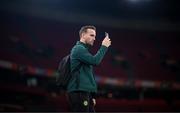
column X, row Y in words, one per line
column 87, row 34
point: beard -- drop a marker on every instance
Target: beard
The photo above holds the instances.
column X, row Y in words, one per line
column 90, row 43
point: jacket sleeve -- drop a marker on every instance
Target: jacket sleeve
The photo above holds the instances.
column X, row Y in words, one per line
column 84, row 56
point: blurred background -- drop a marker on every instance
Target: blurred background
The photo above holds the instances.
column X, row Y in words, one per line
column 140, row 72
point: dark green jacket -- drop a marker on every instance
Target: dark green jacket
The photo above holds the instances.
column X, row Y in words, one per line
column 81, row 56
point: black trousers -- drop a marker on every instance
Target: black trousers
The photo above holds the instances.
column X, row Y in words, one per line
column 81, row 101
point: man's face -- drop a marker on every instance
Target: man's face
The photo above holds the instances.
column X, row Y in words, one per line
column 89, row 36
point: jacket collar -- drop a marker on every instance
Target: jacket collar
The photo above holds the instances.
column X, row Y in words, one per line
column 83, row 44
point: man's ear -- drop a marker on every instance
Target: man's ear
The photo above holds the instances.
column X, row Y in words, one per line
column 82, row 35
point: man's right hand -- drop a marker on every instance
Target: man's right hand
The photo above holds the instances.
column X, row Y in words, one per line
column 107, row 41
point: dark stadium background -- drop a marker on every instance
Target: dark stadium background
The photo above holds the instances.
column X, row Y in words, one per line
column 140, row 72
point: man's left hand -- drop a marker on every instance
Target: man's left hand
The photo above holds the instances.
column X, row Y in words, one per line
column 94, row 101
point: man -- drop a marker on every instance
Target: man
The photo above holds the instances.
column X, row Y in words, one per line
column 83, row 86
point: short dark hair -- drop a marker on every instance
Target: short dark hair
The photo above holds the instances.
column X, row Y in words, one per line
column 84, row 29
